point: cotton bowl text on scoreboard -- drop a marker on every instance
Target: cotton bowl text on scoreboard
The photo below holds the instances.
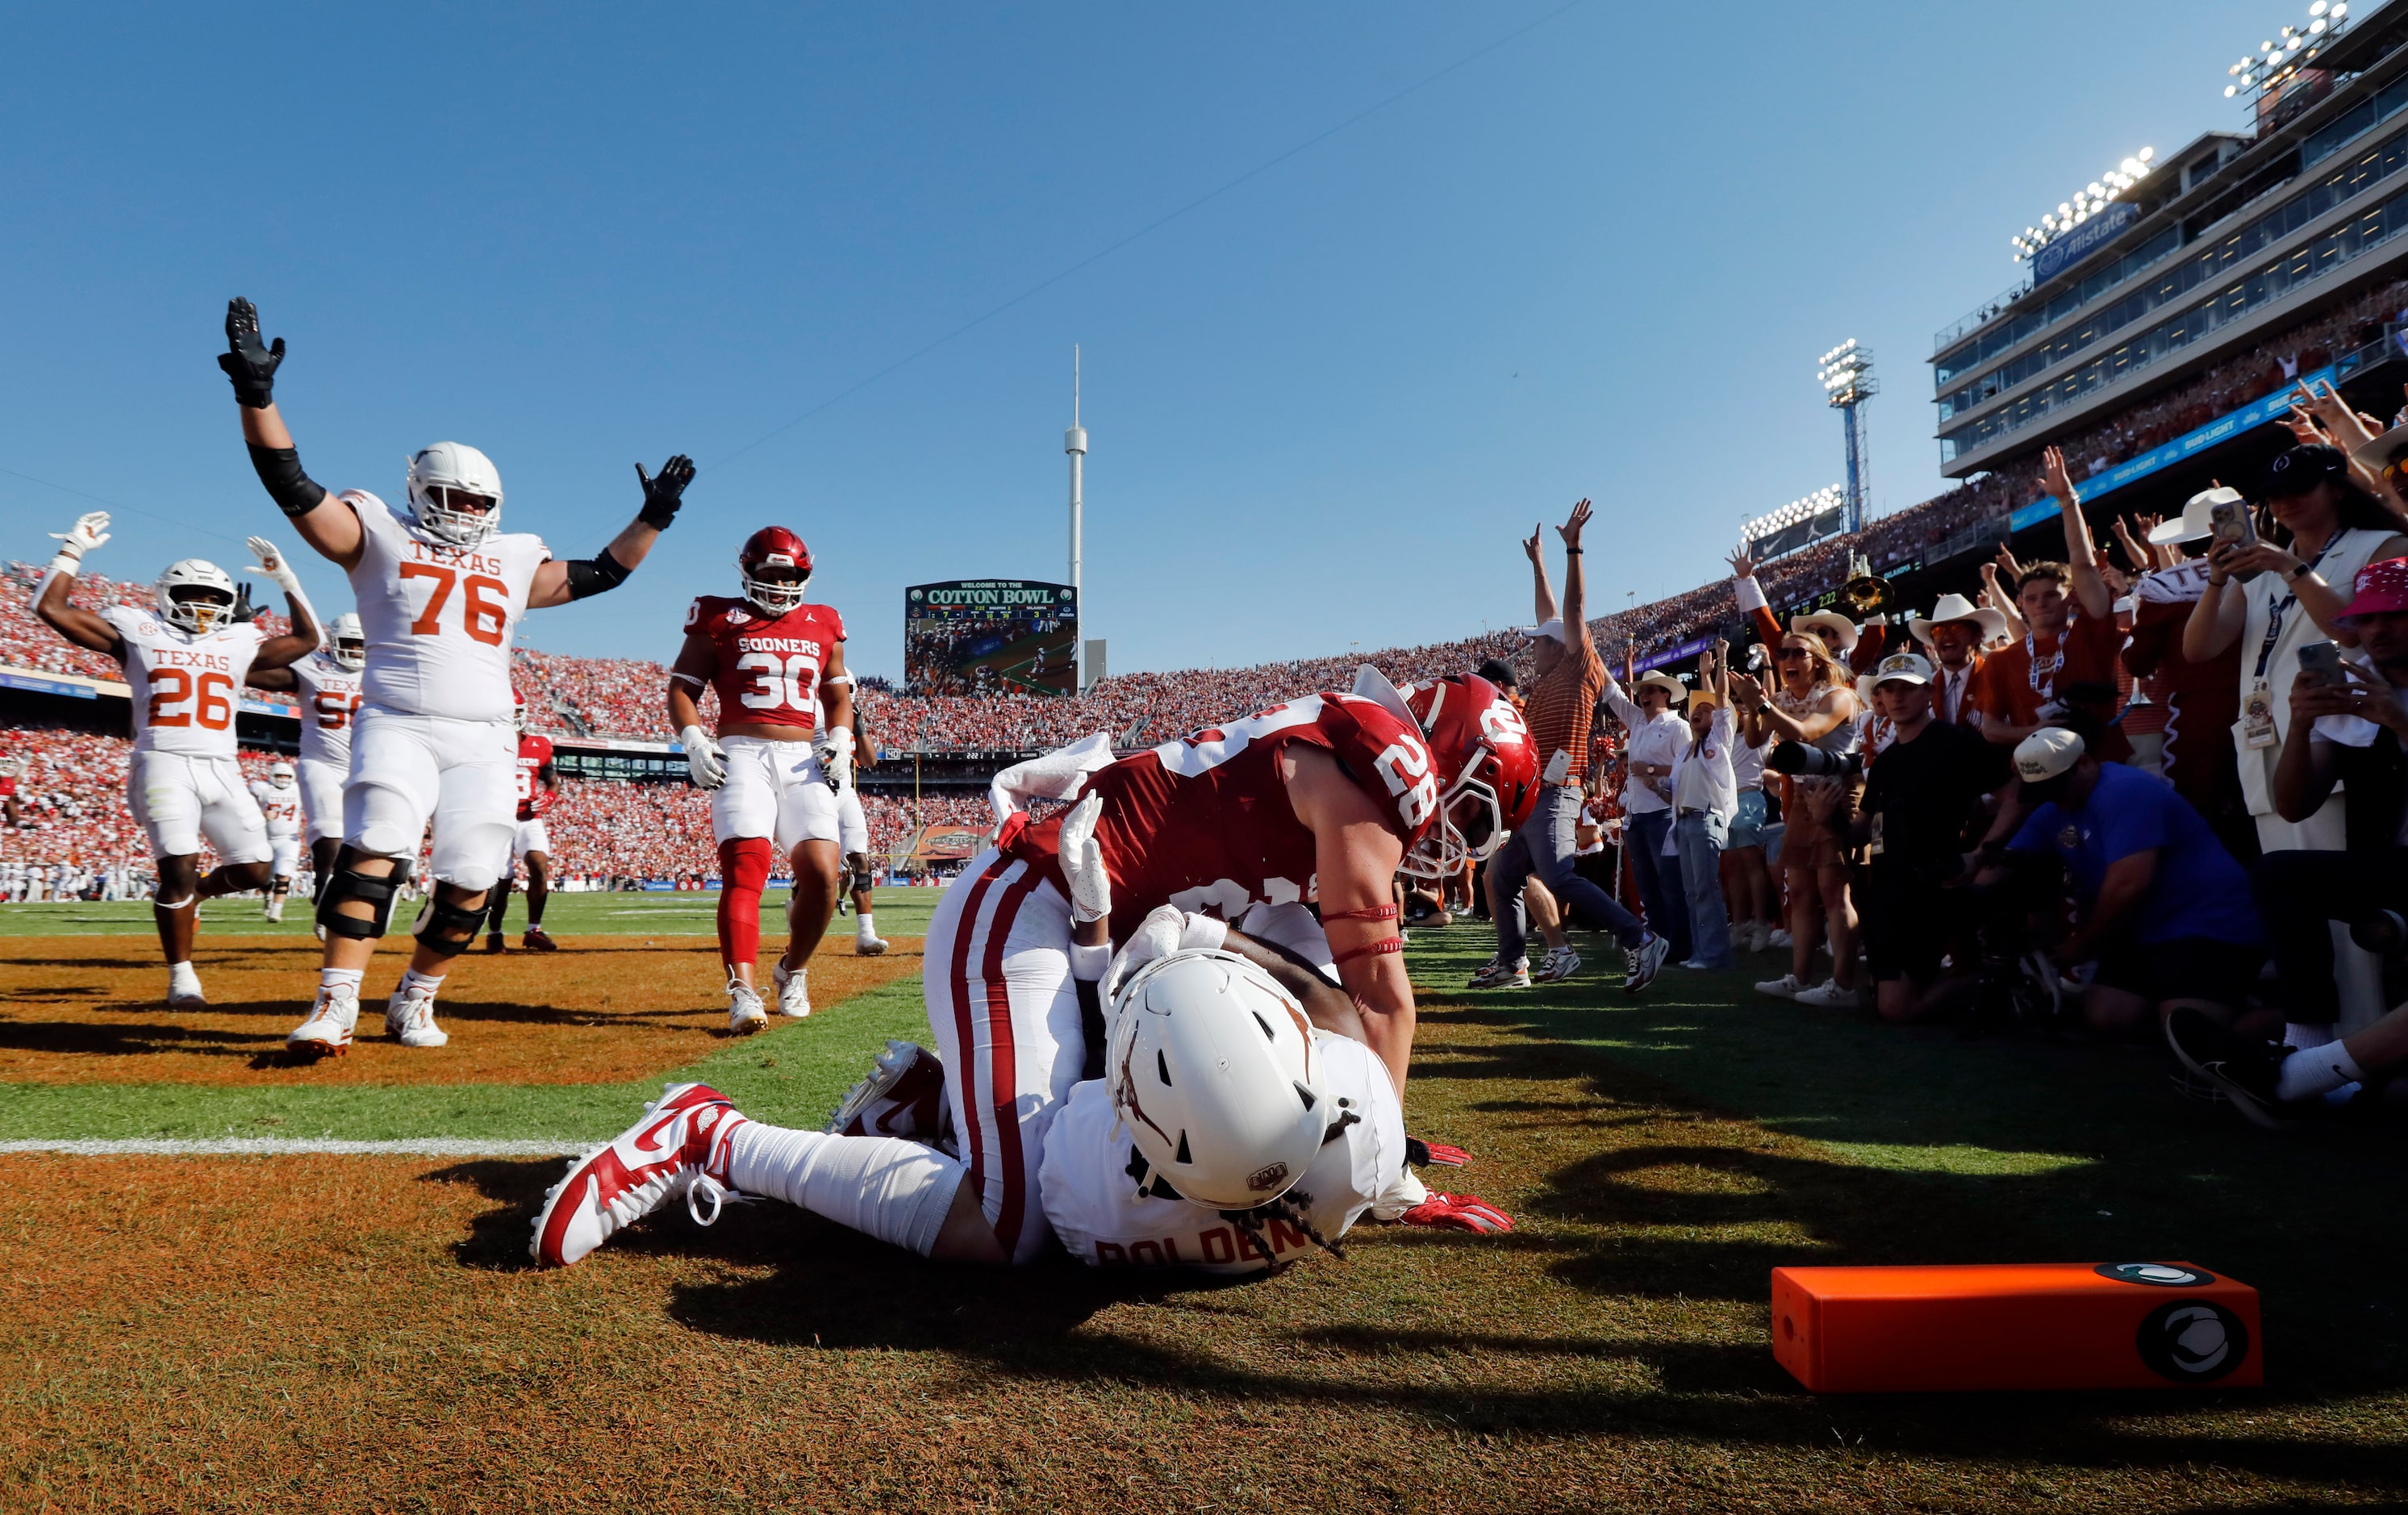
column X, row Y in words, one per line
column 991, row 636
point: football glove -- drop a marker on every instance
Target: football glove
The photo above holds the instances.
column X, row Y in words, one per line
column 1457, row 1212
column 274, row 566
column 1083, row 862
column 1421, row 1153
column 663, row 492
column 249, row 363
column 1166, row 929
column 89, row 531
column 704, row 760
column 833, row 747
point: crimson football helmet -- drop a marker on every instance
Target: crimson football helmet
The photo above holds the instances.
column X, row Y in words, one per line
column 774, row 547
column 1487, row 773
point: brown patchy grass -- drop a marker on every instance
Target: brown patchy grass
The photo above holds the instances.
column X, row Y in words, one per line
column 88, row 1009
column 361, row 1333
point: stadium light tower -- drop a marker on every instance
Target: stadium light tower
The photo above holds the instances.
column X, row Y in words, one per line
column 1074, row 442
column 1848, row 382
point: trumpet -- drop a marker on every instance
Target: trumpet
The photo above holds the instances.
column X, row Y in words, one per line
column 1866, row 592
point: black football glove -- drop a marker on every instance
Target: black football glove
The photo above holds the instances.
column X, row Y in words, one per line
column 243, row 610
column 665, row 492
column 246, row 361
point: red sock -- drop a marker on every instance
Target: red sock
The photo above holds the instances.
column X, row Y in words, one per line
column 743, row 870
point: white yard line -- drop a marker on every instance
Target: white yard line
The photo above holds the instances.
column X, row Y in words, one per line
column 294, row 1147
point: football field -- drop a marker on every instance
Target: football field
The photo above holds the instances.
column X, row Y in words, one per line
column 341, row 1315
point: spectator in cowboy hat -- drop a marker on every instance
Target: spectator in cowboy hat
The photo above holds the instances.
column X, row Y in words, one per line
column 1953, row 635
column 1658, row 734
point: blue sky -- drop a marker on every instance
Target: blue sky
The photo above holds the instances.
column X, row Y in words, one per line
column 1599, row 258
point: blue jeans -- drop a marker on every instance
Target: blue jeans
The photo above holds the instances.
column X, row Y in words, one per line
column 1700, row 838
column 1544, row 847
column 1659, row 879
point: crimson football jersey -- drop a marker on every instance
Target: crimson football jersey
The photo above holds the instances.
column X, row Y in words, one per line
column 535, row 755
column 1204, row 821
column 767, row 669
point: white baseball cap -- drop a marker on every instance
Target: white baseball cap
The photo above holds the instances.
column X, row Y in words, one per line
column 1551, row 628
column 1902, row 668
column 2048, row 752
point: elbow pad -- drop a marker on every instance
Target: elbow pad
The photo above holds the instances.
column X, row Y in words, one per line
column 295, row 493
column 597, row 574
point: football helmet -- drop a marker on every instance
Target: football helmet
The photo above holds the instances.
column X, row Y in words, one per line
column 1487, row 771
column 438, row 476
column 518, row 710
column 280, row 773
column 349, row 647
column 195, row 595
column 774, row 547
column 1214, row 1071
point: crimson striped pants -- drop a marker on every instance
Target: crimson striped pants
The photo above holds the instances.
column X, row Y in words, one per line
column 997, row 982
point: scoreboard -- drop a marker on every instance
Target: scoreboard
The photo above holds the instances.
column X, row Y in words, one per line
column 991, row 636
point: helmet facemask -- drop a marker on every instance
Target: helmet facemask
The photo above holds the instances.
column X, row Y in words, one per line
column 197, row 609
column 1469, row 826
column 775, row 597
column 349, row 647
column 455, row 494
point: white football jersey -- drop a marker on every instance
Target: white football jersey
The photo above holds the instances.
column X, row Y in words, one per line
column 281, row 806
column 437, row 618
column 185, row 687
column 1092, row 1198
column 329, row 697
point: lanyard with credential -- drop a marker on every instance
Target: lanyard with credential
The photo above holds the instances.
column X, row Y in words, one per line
column 2282, row 606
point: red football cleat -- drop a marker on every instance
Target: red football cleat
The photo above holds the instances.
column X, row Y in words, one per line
column 680, row 1143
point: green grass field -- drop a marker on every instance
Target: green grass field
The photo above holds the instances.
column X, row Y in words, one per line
column 1661, row 1153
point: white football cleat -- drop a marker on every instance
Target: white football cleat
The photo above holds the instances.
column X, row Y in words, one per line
column 745, row 1012
column 793, row 990
column 276, row 907
column 409, row 1018
column 903, row 1096
column 870, row 946
column 679, row 1148
column 184, row 988
column 327, row 1032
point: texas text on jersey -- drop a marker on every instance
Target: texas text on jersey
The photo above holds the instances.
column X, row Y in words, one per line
column 766, row 669
column 535, row 755
column 1204, row 822
column 183, row 686
column 438, row 619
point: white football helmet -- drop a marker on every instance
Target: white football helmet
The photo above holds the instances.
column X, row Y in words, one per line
column 350, row 643
column 195, row 594
column 436, row 475
column 1213, row 1072
column 280, row 773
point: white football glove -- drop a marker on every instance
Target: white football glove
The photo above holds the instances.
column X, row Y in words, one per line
column 89, row 531
column 703, row 759
column 274, row 566
column 834, row 748
column 1083, row 862
column 1165, row 930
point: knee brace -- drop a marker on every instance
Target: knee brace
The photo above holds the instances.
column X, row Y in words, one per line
column 446, row 928
column 346, row 883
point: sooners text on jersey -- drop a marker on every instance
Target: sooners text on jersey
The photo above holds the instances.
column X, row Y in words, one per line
column 184, row 687
column 438, row 619
column 329, row 695
column 535, row 755
column 1204, row 821
column 767, row 669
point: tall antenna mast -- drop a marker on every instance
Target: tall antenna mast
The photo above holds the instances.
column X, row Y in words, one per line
column 1074, row 442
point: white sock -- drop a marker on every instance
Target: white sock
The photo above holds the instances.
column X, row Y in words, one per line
column 866, row 931
column 341, row 979
column 180, row 973
column 897, row 1191
column 411, row 978
column 2317, row 1071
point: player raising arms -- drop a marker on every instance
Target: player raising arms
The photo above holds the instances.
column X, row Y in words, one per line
column 440, row 591
column 776, row 768
column 279, row 798
column 538, row 786
column 327, row 683
column 184, row 660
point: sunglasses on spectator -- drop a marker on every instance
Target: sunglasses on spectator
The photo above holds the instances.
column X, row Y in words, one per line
column 1793, row 652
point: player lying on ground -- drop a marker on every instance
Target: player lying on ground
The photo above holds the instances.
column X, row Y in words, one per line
column 184, row 660
column 538, row 786
column 327, row 682
column 1240, row 1120
column 440, row 591
column 776, row 769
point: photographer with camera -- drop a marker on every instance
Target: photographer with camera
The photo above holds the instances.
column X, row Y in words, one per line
column 2349, row 729
column 2163, row 908
column 1921, row 800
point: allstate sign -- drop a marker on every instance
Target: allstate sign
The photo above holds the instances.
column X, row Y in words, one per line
column 2081, row 241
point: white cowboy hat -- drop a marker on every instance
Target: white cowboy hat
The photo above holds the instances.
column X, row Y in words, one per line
column 1658, row 677
column 2194, row 522
column 1838, row 632
column 1957, row 607
column 2382, row 455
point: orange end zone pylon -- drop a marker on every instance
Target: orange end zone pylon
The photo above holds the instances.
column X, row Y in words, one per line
column 2039, row 1326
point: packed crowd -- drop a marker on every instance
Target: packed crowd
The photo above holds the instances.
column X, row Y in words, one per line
column 26, row 643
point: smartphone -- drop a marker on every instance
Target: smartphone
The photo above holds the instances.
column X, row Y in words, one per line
column 2230, row 524
column 2320, row 663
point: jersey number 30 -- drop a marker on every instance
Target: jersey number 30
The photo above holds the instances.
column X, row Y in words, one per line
column 483, row 619
column 788, row 683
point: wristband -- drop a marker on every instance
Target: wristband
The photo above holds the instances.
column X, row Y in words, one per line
column 1369, row 912
column 1087, row 964
column 2301, row 571
column 1388, row 944
column 67, row 563
column 1203, row 935
column 1571, row 551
